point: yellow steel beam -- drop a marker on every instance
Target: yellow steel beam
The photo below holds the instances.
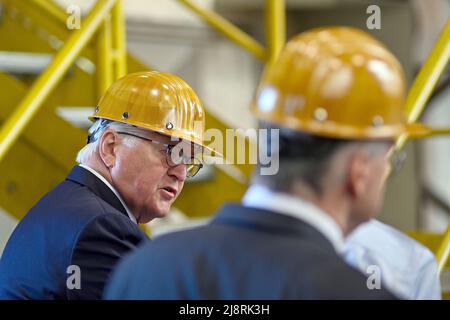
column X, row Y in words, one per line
column 275, row 28
column 119, row 40
column 111, row 42
column 105, row 72
column 426, row 80
column 37, row 22
column 52, row 9
column 228, row 29
column 40, row 158
column 14, row 126
column 23, row 182
column 418, row 96
column 443, row 251
column 429, row 75
column 43, row 132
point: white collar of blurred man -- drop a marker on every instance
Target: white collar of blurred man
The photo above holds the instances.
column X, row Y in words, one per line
column 98, row 175
column 262, row 197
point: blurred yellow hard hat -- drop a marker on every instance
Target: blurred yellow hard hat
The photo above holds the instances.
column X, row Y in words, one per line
column 337, row 82
column 157, row 101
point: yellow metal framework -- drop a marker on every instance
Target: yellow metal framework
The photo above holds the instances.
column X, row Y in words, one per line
column 104, row 56
column 426, row 80
column 418, row 96
column 51, row 9
column 119, row 41
column 443, row 252
column 275, row 29
column 112, row 59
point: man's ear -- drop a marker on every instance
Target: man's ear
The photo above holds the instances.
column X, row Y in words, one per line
column 358, row 173
column 107, row 148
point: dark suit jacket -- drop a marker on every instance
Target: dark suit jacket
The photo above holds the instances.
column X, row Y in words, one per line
column 244, row 253
column 80, row 222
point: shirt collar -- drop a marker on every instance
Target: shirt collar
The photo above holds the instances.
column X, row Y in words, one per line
column 258, row 196
column 98, row 175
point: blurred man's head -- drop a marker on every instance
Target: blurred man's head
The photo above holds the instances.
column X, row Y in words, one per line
column 343, row 177
column 338, row 97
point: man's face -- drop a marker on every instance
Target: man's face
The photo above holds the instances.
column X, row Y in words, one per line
column 143, row 178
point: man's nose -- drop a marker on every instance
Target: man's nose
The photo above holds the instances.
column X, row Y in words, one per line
column 178, row 171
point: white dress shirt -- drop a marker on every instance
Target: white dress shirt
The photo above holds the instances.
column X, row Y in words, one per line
column 406, row 267
column 98, row 175
column 261, row 197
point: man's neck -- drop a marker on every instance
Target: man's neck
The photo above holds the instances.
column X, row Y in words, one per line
column 332, row 204
column 100, row 169
column 108, row 181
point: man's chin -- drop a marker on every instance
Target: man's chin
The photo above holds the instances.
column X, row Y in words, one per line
column 154, row 214
column 161, row 212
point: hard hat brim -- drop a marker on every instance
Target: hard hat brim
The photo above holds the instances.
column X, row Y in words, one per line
column 335, row 130
column 169, row 134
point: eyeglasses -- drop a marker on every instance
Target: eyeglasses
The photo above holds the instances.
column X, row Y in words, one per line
column 193, row 165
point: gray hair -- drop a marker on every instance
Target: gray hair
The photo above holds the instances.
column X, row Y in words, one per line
column 97, row 130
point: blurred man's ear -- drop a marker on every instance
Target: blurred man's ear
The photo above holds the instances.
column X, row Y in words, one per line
column 107, row 148
column 358, row 173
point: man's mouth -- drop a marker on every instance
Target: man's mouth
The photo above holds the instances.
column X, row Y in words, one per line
column 171, row 191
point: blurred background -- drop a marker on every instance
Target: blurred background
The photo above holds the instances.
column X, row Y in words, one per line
column 167, row 36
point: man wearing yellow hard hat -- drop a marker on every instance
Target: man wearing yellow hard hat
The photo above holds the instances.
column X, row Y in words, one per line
column 131, row 171
column 337, row 98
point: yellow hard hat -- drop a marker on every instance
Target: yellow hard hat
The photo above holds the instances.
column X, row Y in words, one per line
column 157, row 101
column 337, row 82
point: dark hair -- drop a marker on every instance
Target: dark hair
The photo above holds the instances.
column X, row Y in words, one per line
column 302, row 157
